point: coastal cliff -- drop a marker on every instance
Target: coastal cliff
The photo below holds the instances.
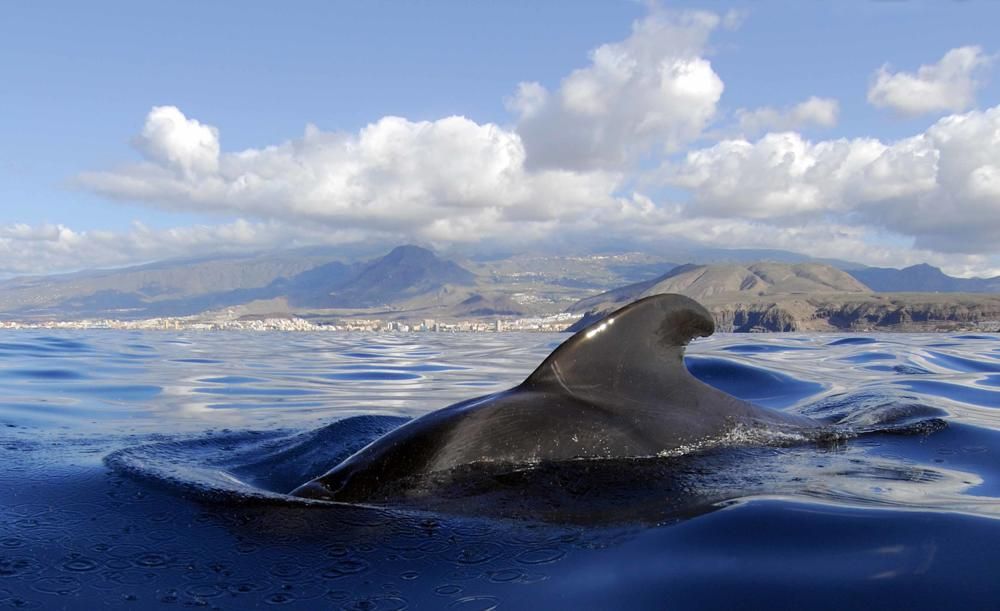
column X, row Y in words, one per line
column 899, row 312
column 770, row 297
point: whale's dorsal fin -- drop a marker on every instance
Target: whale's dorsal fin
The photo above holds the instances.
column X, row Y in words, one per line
column 636, row 352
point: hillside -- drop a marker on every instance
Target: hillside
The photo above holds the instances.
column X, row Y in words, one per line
column 184, row 285
column 727, row 282
column 802, row 297
column 181, row 288
column 407, row 271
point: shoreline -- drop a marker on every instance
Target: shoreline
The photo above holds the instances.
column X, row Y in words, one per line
column 304, row 326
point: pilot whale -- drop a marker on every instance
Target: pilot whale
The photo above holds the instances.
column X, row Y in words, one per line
column 616, row 389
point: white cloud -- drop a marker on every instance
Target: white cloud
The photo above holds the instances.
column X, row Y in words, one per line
column 46, row 248
column 651, row 224
column 948, row 85
column 450, row 180
column 455, row 181
column 173, row 140
column 42, row 249
column 941, row 188
column 820, row 112
column 566, row 172
column 529, row 99
column 653, row 90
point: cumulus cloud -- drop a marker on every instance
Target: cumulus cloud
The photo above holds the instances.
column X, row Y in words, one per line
column 450, row 180
column 653, row 90
column 567, row 169
column 948, row 85
column 455, row 181
column 176, row 142
column 47, row 248
column 819, row 112
column 941, row 188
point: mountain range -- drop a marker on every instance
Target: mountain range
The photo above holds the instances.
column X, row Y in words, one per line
column 413, row 282
column 922, row 278
column 302, row 280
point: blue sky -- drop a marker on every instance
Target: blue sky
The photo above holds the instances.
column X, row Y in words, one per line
column 725, row 150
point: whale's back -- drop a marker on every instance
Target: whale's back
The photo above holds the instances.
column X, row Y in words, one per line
column 618, row 388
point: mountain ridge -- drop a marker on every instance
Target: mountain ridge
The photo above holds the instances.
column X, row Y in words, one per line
column 922, row 278
column 412, row 281
column 802, row 297
column 729, row 281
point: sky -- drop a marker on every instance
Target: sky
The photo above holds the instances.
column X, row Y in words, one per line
column 863, row 131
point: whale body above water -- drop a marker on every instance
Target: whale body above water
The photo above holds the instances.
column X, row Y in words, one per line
column 617, row 389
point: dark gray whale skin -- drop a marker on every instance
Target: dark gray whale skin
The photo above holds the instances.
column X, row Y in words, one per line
column 618, row 388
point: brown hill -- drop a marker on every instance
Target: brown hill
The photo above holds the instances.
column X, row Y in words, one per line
column 802, row 297
column 726, row 283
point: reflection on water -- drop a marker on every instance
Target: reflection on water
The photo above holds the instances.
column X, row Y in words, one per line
column 908, row 521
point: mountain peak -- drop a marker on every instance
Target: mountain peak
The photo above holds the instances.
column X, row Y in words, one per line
column 409, row 252
column 405, row 272
column 924, row 268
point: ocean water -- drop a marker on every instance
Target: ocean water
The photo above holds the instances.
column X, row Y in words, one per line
column 149, row 470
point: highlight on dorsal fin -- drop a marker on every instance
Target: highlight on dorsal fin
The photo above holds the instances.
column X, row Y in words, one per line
column 637, row 348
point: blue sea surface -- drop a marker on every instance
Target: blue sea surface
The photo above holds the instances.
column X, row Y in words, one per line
column 149, row 470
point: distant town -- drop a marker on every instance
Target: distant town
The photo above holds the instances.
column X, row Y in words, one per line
column 554, row 323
